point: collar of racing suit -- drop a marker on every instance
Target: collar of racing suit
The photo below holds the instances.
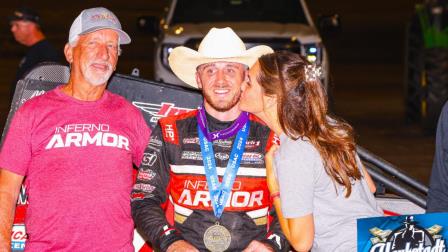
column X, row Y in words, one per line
column 214, row 124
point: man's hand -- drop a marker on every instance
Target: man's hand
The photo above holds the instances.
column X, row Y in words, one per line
column 181, row 246
column 257, row 246
column 271, row 176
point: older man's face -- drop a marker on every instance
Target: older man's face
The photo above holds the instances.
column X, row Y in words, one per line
column 221, row 83
column 97, row 55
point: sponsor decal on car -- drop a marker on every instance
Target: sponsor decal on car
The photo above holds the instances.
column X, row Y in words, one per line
column 160, row 110
column 18, row 237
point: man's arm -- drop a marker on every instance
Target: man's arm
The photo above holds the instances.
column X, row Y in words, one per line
column 438, row 187
column 150, row 193
column 10, row 184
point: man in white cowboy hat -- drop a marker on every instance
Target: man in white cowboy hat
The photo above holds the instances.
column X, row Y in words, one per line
column 209, row 163
column 76, row 145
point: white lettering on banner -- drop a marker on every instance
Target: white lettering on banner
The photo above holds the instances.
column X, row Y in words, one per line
column 439, row 246
column 236, row 199
column 80, row 135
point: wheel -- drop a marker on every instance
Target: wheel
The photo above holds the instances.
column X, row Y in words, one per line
column 413, row 71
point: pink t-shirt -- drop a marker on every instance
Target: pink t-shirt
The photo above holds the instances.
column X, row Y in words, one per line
column 77, row 158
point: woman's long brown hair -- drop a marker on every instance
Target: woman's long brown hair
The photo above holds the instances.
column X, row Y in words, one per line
column 303, row 112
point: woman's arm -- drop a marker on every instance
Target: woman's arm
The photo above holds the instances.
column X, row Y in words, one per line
column 299, row 231
column 369, row 179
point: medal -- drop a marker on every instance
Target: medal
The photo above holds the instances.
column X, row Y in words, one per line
column 217, row 238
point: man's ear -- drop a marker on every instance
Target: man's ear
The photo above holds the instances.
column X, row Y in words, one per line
column 68, row 52
column 198, row 80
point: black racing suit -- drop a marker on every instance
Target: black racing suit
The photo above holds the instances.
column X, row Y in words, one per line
column 172, row 174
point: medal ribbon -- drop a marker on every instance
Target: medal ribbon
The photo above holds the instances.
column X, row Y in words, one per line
column 220, row 192
column 220, row 134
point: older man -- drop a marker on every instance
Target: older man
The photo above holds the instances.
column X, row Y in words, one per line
column 76, row 146
column 209, row 163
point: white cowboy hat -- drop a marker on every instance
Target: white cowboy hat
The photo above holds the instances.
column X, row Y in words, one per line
column 217, row 45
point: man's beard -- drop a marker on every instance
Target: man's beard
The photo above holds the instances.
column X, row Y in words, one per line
column 94, row 78
column 222, row 107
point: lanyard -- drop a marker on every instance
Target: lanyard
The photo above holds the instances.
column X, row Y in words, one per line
column 220, row 134
column 220, row 192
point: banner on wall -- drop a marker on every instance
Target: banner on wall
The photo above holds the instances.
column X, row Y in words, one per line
column 155, row 100
column 404, row 233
